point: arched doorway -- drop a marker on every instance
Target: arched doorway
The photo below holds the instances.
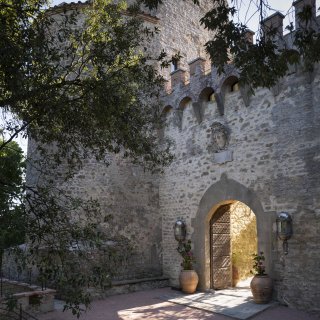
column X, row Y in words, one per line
column 221, row 193
column 233, row 240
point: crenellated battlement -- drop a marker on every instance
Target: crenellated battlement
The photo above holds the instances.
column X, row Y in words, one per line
column 200, row 85
column 199, row 73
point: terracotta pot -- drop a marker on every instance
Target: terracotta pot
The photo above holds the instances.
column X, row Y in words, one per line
column 261, row 288
column 188, row 281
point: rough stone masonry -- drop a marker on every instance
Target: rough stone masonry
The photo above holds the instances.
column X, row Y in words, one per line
column 267, row 155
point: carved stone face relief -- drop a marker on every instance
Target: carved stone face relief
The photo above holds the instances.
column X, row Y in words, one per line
column 220, row 137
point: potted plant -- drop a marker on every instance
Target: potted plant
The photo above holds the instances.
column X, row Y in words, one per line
column 188, row 277
column 261, row 283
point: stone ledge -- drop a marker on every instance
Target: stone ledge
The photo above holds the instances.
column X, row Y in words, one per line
column 134, row 281
column 24, row 297
column 34, row 293
column 132, row 285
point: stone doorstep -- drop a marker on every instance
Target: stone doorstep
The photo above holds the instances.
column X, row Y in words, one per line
column 233, row 303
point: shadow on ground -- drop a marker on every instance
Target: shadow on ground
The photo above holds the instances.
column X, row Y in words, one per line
column 149, row 305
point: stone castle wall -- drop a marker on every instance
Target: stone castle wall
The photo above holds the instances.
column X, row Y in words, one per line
column 125, row 191
column 275, row 143
column 180, row 30
column 131, row 197
column 271, row 163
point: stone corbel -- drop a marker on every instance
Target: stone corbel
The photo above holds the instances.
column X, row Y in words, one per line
column 245, row 94
column 310, row 76
column 276, row 89
column 198, row 111
column 220, row 102
column 292, row 68
column 178, row 118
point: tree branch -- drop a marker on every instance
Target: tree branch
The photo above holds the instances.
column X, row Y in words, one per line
column 22, row 128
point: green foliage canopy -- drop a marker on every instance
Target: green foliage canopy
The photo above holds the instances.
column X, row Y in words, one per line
column 12, row 214
column 78, row 77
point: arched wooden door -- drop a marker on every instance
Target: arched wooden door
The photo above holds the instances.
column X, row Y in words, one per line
column 220, row 247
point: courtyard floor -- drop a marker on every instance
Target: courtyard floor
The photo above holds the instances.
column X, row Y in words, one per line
column 157, row 305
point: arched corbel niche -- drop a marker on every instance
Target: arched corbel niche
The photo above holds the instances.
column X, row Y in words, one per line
column 165, row 123
column 180, row 111
column 231, row 83
column 205, row 96
column 223, row 192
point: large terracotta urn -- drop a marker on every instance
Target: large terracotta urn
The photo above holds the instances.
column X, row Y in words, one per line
column 261, row 288
column 188, row 281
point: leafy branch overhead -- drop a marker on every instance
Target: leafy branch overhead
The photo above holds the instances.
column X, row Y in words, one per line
column 81, row 83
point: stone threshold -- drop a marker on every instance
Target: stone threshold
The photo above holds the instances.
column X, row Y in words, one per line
column 235, row 303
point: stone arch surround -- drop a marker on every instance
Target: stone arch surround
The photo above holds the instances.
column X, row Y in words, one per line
column 223, row 192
